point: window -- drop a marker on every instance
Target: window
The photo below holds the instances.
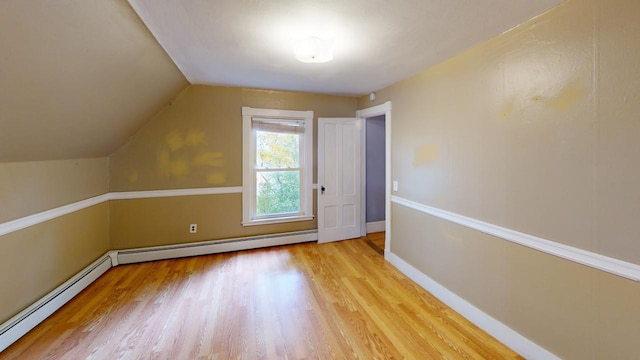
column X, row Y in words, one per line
column 277, row 166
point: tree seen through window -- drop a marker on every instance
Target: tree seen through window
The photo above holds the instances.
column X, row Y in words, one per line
column 277, row 173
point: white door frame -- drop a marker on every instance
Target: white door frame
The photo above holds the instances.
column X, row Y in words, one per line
column 383, row 109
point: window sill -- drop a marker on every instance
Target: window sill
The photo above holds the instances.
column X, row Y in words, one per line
column 279, row 220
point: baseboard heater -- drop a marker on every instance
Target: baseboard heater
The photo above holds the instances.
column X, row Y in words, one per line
column 16, row 327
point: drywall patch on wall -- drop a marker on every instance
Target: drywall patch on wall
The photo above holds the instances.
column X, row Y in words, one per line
column 175, row 141
column 195, row 138
column 182, row 152
column 216, row 178
column 425, row 155
column 567, row 98
column 172, row 166
column 206, row 131
column 506, row 110
column 563, row 101
column 209, row 158
column 133, row 177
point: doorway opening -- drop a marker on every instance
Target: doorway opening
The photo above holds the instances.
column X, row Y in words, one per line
column 374, row 181
column 376, row 170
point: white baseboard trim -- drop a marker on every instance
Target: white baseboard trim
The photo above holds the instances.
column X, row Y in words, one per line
column 213, row 247
column 376, row 226
column 23, row 322
column 495, row 328
column 597, row 261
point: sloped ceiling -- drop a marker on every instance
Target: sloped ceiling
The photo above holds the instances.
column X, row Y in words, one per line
column 77, row 78
column 376, row 43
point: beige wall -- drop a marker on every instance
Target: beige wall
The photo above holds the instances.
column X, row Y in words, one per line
column 35, row 260
column 38, row 259
column 165, row 221
column 77, row 78
column 191, row 143
column 574, row 311
column 536, row 130
column 196, row 142
column 27, row 188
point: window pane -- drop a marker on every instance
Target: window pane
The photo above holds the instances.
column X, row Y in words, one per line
column 277, row 150
column 277, row 192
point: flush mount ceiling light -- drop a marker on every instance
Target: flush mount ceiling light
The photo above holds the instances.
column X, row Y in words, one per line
column 314, row 50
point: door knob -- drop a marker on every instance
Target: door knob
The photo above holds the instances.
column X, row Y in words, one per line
column 322, row 189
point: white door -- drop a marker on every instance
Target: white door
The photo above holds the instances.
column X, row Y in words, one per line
column 339, row 171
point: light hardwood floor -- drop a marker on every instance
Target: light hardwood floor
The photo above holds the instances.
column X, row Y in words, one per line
column 306, row 301
column 376, row 241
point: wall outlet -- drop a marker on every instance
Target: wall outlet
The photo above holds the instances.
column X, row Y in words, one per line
column 395, row 185
column 193, row 228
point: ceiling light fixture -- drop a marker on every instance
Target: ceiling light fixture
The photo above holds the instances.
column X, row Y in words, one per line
column 314, row 50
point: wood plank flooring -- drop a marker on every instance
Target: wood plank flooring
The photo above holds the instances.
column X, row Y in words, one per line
column 307, row 301
column 376, row 241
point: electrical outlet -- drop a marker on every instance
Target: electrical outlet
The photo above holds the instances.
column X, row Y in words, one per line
column 395, row 185
column 193, row 228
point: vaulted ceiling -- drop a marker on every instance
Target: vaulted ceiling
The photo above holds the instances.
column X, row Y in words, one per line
column 79, row 77
column 376, row 42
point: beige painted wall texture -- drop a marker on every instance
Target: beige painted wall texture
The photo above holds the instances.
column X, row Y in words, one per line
column 571, row 310
column 165, row 221
column 35, row 260
column 536, row 130
column 27, row 188
column 196, row 142
column 77, row 78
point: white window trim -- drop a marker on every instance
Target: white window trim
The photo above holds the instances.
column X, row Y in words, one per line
column 248, row 160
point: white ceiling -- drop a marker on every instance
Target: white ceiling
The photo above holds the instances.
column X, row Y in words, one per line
column 249, row 43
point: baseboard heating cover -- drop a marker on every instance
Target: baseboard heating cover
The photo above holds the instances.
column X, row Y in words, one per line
column 23, row 322
column 16, row 327
column 213, row 247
